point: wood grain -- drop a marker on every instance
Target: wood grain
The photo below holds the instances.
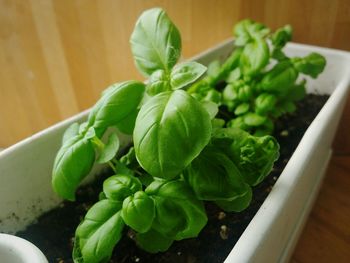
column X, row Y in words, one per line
column 326, row 236
column 56, row 56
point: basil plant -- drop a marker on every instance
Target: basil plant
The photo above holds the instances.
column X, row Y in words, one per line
column 261, row 82
column 181, row 154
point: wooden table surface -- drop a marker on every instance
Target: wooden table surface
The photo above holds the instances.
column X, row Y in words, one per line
column 56, row 56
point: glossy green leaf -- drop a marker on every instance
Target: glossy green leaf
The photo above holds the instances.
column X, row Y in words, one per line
column 179, row 214
column 213, row 68
column 73, row 162
column 71, row 132
column 120, row 186
column 279, row 78
column 254, row 156
column 153, row 242
column 255, row 57
column 185, row 73
column 264, row 103
column 110, row 150
column 253, row 119
column 238, row 204
column 127, row 124
column 171, row 130
column 121, row 100
column 139, row 211
column 282, row 36
column 158, row 82
column 99, row 232
column 213, row 176
column 242, row 108
column 211, row 107
column 155, row 42
column 311, row 65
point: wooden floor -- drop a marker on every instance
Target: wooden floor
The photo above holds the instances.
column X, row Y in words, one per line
column 326, row 236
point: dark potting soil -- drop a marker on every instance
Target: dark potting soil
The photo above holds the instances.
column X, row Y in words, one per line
column 54, row 231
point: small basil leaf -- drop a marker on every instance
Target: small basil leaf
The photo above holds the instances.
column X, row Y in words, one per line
column 213, row 68
column 279, row 78
column 234, row 75
column 99, row 232
column 158, row 82
column 73, row 162
column 264, row 103
column 179, row 214
column 242, row 108
column 246, row 30
column 153, row 242
column 91, row 133
column 255, row 57
column 110, row 149
column 121, row 100
column 171, row 130
column 155, row 42
column 118, row 187
column 311, row 65
column 138, row 212
column 253, row 119
column 245, row 93
column 186, row 73
column 71, row 131
column 282, row 36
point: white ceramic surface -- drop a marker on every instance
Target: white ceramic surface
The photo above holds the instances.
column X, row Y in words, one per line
column 18, row 250
column 25, row 169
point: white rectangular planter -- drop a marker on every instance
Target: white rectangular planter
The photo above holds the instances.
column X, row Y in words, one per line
column 25, row 169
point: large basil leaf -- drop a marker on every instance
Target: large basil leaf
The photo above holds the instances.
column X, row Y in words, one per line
column 254, row 156
column 138, row 212
column 213, row 176
column 255, row 57
column 73, row 162
column 155, row 42
column 71, row 131
column 171, row 130
column 99, row 232
column 118, row 102
column 186, row 73
column 179, row 214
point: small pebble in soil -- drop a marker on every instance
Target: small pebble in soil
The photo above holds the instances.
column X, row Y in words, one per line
column 224, row 232
column 284, row 133
column 221, row 215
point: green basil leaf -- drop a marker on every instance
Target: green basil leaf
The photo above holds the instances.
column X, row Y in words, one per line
column 99, row 232
column 153, row 242
column 120, row 186
column 211, row 107
column 298, row 91
column 155, row 42
column 281, row 37
column 179, row 214
column 158, row 82
column 110, row 150
column 73, row 162
column 127, row 124
column 254, row 156
column 213, row 176
column 245, row 93
column 242, row 108
column 279, row 78
column 311, row 65
column 171, row 130
column 90, row 133
column 71, row 131
column 238, row 204
column 138, row 212
column 264, row 103
column 253, row 119
column 255, row 57
column 121, row 100
column 213, row 68
column 246, row 30
column 186, row 73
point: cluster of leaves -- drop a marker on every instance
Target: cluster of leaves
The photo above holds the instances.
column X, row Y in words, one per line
column 263, row 83
column 181, row 155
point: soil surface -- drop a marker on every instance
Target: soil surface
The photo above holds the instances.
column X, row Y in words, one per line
column 54, row 231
